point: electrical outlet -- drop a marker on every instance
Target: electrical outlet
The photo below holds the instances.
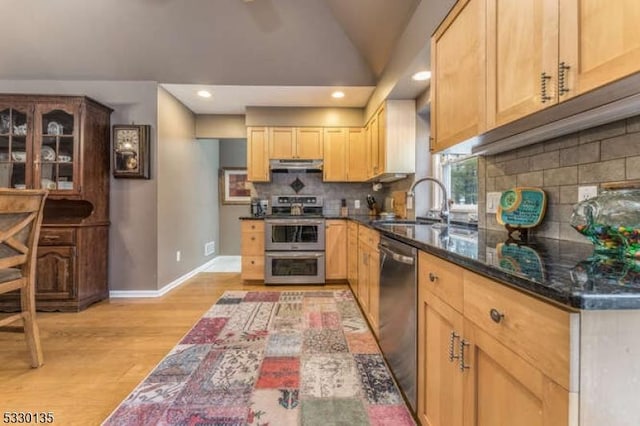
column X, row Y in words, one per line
column 178, row 256
column 209, row 248
column 493, row 201
column 356, row 204
column 586, row 192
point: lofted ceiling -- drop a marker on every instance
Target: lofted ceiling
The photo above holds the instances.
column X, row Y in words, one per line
column 289, row 51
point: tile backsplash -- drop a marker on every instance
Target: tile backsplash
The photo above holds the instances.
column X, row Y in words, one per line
column 313, row 185
column 602, row 154
column 332, row 192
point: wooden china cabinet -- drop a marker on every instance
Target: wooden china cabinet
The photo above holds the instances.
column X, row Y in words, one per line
column 61, row 143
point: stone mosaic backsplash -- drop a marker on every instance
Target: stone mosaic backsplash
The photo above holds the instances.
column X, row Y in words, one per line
column 602, row 154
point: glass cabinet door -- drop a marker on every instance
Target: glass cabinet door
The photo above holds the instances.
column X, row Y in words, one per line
column 55, row 147
column 15, row 139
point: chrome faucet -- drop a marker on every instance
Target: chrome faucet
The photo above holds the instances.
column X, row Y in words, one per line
column 444, row 208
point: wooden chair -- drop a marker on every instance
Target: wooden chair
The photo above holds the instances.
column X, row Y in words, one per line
column 20, row 219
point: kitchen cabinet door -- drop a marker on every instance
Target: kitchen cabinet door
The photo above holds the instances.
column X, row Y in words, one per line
column 522, row 58
column 374, row 290
column 357, row 153
column 252, row 249
column 599, row 42
column 257, row 154
column 282, row 141
column 352, row 256
column 336, row 249
column 363, row 276
column 309, row 144
column 381, row 117
column 502, row 389
column 458, row 83
column 335, row 155
column 440, row 381
column 56, row 270
column 374, row 152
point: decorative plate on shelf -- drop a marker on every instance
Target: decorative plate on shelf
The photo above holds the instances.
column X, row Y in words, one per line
column 48, row 154
column 19, row 156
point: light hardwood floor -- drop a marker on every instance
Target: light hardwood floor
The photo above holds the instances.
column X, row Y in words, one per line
column 93, row 359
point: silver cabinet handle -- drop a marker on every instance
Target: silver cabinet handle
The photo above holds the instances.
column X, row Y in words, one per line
column 562, row 76
column 452, row 338
column 397, row 257
column 463, row 343
column 544, row 77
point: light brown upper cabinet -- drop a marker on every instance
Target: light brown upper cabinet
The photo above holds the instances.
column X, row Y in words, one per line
column 335, row 155
column 357, row 154
column 458, row 80
column 309, row 143
column 257, row 154
column 538, row 53
column 522, row 58
column 295, row 143
column 282, row 141
column 599, row 43
column 345, row 153
column 391, row 141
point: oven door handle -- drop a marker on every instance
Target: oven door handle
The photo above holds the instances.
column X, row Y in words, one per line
column 295, row 254
column 294, row 222
column 409, row 260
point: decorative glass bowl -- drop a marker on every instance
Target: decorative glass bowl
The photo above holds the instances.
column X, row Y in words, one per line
column 611, row 220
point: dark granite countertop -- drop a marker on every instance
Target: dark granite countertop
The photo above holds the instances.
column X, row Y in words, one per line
column 565, row 272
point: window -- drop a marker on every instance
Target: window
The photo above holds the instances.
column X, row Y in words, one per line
column 459, row 173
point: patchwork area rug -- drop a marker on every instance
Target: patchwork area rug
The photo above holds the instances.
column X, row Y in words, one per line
column 271, row 358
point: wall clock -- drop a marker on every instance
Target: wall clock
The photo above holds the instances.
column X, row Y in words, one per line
column 131, row 155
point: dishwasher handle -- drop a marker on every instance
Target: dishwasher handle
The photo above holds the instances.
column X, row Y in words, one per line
column 409, row 260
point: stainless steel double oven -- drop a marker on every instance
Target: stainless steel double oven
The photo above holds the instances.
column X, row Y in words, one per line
column 294, row 241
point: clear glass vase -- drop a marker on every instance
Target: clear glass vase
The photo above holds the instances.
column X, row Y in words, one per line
column 611, row 220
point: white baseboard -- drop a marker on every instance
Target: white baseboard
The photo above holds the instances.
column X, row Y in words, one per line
column 164, row 290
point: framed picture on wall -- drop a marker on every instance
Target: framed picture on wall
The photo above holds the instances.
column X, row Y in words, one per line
column 234, row 186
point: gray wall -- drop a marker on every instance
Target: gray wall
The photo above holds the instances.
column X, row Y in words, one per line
column 187, row 191
column 603, row 154
column 132, row 235
column 233, row 153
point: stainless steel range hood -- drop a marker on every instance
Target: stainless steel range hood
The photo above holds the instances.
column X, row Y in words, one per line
column 613, row 102
column 295, row 166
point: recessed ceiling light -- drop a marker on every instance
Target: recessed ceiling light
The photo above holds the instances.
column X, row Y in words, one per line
column 204, row 93
column 421, row 75
column 338, row 94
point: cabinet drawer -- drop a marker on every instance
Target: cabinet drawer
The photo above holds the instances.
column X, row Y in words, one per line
column 368, row 236
column 252, row 226
column 535, row 330
column 252, row 268
column 442, row 278
column 253, row 243
column 57, row 237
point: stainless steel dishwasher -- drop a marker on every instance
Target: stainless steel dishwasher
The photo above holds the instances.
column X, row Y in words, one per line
column 398, row 313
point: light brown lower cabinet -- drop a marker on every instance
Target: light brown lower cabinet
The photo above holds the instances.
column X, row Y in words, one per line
column 252, row 249
column 503, row 359
column 336, row 249
column 368, row 282
column 352, row 256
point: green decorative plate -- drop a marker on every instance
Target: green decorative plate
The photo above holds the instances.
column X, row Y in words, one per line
column 522, row 207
